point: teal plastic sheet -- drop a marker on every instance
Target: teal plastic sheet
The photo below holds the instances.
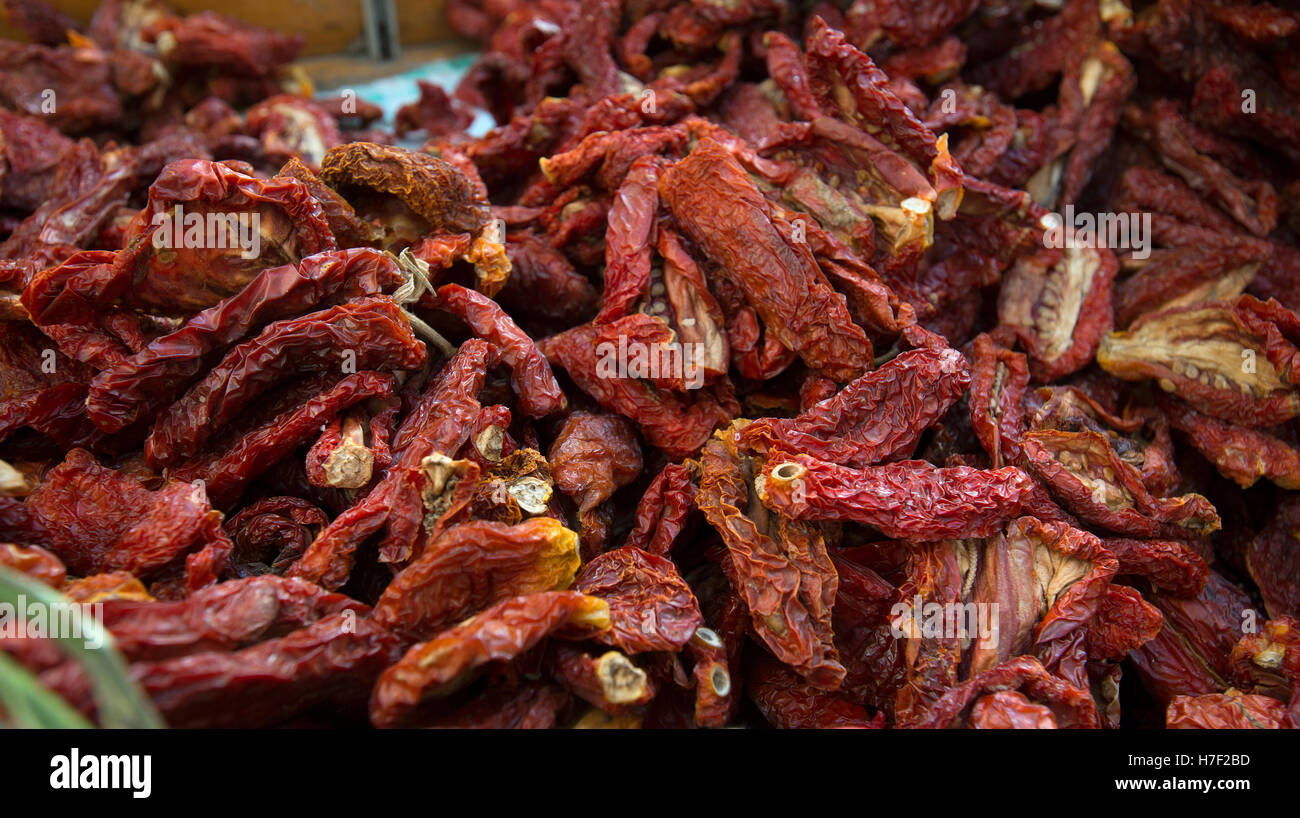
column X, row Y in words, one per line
column 391, row 93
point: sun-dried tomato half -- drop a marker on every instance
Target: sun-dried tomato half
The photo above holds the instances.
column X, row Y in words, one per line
column 781, row 566
column 1272, row 559
column 786, row 288
column 1202, row 355
column 1059, row 305
column 1090, row 479
column 376, row 178
column 292, row 127
column 876, row 417
column 1241, row 454
column 474, row 565
column 1141, row 438
column 410, row 196
column 1280, row 329
column 369, row 333
column 999, row 378
column 208, row 230
column 500, row 633
column 650, row 606
column 1268, row 662
column 98, row 519
column 1181, row 276
column 1226, row 711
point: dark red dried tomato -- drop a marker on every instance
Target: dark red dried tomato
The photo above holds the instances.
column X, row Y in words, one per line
column 823, row 366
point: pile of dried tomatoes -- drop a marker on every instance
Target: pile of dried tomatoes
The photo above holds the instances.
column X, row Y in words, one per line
column 858, row 364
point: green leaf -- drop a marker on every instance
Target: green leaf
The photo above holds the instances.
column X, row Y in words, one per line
column 29, row 704
column 120, row 701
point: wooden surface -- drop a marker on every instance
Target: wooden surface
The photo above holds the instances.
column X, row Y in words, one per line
column 337, row 71
column 329, row 26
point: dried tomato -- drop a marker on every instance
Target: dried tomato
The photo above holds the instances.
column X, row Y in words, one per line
column 291, row 127
column 332, row 662
column 589, row 354
column 416, row 194
column 170, row 266
column 664, row 511
column 500, row 633
column 222, row 618
column 781, row 566
column 369, row 333
column 789, row 293
column 1271, row 559
column 1226, row 711
column 999, row 378
column 439, row 423
column 592, row 457
column 1090, row 479
column 939, row 502
column 474, row 565
column 1059, row 304
column 1200, row 353
column 650, row 605
column 610, row 682
column 538, row 392
column 1269, row 661
column 877, row 417
column 123, row 394
column 98, row 519
column 787, row 701
column 33, row 561
column 1070, row 706
column 1241, row 454
column 822, row 399
column 233, row 460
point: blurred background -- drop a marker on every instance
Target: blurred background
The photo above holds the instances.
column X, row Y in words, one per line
column 344, row 40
